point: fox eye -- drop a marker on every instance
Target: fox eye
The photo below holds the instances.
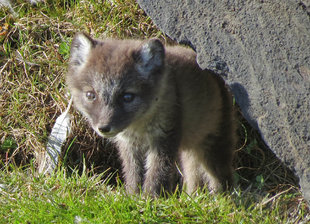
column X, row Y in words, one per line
column 128, row 97
column 90, row 95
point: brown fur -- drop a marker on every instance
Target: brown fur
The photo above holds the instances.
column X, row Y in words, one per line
column 175, row 110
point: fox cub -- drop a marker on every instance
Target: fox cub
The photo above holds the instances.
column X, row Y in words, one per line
column 158, row 107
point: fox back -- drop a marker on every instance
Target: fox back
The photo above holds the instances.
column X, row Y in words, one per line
column 158, row 107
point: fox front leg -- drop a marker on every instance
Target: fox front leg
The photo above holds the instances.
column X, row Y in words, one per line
column 160, row 168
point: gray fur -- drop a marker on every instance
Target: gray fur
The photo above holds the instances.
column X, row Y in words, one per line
column 158, row 107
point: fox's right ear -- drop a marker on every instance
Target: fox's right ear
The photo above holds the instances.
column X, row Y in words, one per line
column 80, row 49
column 150, row 56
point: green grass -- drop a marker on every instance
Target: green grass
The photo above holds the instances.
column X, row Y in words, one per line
column 75, row 198
column 34, row 51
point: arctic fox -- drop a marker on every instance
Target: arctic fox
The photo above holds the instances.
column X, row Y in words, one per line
column 158, row 107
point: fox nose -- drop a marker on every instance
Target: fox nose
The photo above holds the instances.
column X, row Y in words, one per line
column 105, row 129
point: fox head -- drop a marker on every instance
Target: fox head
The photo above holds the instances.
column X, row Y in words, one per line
column 114, row 82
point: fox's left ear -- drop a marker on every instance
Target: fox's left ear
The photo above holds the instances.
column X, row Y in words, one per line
column 80, row 49
column 150, row 56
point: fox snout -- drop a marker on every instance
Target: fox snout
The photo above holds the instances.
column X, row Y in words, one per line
column 105, row 129
column 108, row 130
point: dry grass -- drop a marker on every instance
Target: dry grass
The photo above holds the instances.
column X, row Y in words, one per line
column 33, row 59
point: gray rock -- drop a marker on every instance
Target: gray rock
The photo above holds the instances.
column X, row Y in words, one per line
column 262, row 49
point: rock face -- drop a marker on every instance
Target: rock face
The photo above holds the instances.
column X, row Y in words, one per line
column 262, row 50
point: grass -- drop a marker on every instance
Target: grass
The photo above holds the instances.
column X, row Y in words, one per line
column 28, row 198
column 34, row 51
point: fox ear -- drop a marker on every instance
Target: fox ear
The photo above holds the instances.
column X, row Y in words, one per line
column 80, row 49
column 150, row 56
